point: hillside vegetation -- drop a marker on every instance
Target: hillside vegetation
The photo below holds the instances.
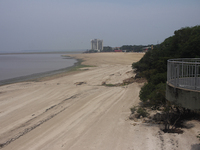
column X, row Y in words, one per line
column 185, row 43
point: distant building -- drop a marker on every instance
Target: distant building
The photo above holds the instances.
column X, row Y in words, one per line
column 145, row 49
column 97, row 44
column 117, row 50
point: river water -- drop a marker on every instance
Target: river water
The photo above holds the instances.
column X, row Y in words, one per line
column 21, row 66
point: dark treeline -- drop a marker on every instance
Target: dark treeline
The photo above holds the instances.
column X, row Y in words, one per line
column 107, row 49
column 134, row 48
column 127, row 48
column 185, row 43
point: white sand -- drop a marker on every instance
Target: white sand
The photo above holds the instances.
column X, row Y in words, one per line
column 58, row 114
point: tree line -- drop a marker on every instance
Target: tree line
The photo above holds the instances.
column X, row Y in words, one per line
column 127, row 48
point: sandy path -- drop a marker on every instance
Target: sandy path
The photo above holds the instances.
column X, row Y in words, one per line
column 58, row 114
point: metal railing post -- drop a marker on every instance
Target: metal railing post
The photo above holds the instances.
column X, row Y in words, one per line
column 195, row 79
column 178, row 75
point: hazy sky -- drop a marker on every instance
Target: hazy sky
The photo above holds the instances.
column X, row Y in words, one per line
column 71, row 24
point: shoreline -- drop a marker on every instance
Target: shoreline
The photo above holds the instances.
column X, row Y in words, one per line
column 43, row 75
column 56, row 52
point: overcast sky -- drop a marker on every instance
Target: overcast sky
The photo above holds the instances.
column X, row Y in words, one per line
column 71, row 24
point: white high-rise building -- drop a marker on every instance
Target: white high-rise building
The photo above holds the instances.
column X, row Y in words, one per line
column 97, row 44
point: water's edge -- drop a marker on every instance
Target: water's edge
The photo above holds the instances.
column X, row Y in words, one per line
column 38, row 76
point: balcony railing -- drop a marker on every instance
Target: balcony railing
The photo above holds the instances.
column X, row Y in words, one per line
column 184, row 73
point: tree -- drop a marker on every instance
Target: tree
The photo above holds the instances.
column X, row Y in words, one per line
column 107, row 49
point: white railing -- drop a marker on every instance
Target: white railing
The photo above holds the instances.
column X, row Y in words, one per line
column 184, row 73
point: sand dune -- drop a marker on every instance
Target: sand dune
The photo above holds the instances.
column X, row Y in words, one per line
column 60, row 114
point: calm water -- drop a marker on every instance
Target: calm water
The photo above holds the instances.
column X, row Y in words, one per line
column 17, row 65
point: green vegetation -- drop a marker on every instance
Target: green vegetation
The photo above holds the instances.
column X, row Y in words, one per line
column 142, row 112
column 185, row 43
column 110, row 85
column 78, row 66
column 133, row 48
column 107, row 49
column 133, row 109
column 198, row 136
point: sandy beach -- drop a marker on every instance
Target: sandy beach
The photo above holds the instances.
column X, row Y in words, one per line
column 76, row 112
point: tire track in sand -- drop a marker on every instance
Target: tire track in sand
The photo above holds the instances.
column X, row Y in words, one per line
column 31, row 124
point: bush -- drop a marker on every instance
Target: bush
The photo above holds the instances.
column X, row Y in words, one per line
column 146, row 91
column 142, row 112
column 133, row 109
column 158, row 78
column 157, row 97
column 140, row 66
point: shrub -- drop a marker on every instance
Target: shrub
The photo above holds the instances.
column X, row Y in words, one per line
column 142, row 112
column 158, row 78
column 133, row 109
column 146, row 91
column 157, row 96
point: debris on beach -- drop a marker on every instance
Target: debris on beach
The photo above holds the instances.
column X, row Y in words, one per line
column 79, row 83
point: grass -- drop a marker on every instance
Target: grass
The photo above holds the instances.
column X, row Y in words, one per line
column 78, row 67
column 110, row 85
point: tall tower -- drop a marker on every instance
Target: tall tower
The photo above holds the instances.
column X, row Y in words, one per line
column 97, row 44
